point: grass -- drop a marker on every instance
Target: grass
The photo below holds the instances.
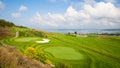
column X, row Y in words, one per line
column 97, row 51
column 28, row 39
column 66, row 53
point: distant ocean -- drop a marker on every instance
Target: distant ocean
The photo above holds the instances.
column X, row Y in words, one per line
column 84, row 31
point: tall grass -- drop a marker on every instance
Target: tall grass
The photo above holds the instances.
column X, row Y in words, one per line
column 10, row 57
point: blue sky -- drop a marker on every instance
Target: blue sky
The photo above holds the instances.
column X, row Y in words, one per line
column 58, row 14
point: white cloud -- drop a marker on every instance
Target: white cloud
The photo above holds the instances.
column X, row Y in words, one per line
column 16, row 15
column 22, row 8
column 89, row 2
column 2, row 5
column 46, row 20
column 102, row 10
column 19, row 12
column 99, row 15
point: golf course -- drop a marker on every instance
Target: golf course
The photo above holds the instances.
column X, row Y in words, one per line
column 59, row 33
column 93, row 51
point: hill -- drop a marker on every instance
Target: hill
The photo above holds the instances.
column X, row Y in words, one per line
column 10, row 56
column 8, row 29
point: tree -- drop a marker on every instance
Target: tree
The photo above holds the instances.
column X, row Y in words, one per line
column 4, row 23
column 68, row 33
column 75, row 32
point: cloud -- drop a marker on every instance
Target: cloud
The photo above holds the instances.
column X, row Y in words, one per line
column 22, row 8
column 16, row 15
column 19, row 12
column 46, row 20
column 2, row 5
column 102, row 10
column 99, row 15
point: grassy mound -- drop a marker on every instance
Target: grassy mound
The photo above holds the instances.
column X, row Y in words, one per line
column 66, row 53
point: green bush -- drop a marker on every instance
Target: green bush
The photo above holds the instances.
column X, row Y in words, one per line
column 38, row 55
column 0, row 44
column 62, row 65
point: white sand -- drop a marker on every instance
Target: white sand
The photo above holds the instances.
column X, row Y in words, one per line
column 43, row 41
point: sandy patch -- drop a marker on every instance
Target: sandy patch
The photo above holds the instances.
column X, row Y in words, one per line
column 43, row 41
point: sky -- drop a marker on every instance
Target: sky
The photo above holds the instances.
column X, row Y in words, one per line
column 62, row 14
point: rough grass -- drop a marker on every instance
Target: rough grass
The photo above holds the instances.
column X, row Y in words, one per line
column 10, row 57
column 66, row 53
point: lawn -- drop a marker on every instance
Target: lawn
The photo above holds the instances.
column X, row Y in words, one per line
column 26, row 39
column 66, row 53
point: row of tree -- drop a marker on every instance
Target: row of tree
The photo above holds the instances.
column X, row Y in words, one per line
column 4, row 23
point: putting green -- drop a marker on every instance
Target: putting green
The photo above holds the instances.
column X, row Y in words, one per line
column 26, row 39
column 64, row 53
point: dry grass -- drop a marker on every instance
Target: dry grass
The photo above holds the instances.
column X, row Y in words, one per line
column 5, row 32
column 10, row 57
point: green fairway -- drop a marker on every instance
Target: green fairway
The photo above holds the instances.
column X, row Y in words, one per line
column 64, row 53
column 26, row 39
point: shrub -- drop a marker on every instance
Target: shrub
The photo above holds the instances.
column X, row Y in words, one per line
column 30, row 51
column 0, row 44
column 48, row 62
column 62, row 65
column 10, row 57
column 5, row 33
column 38, row 55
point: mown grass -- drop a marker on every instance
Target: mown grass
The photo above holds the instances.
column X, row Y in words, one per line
column 66, row 53
column 98, row 51
column 28, row 39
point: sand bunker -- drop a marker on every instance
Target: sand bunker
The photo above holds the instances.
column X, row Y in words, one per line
column 43, row 41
